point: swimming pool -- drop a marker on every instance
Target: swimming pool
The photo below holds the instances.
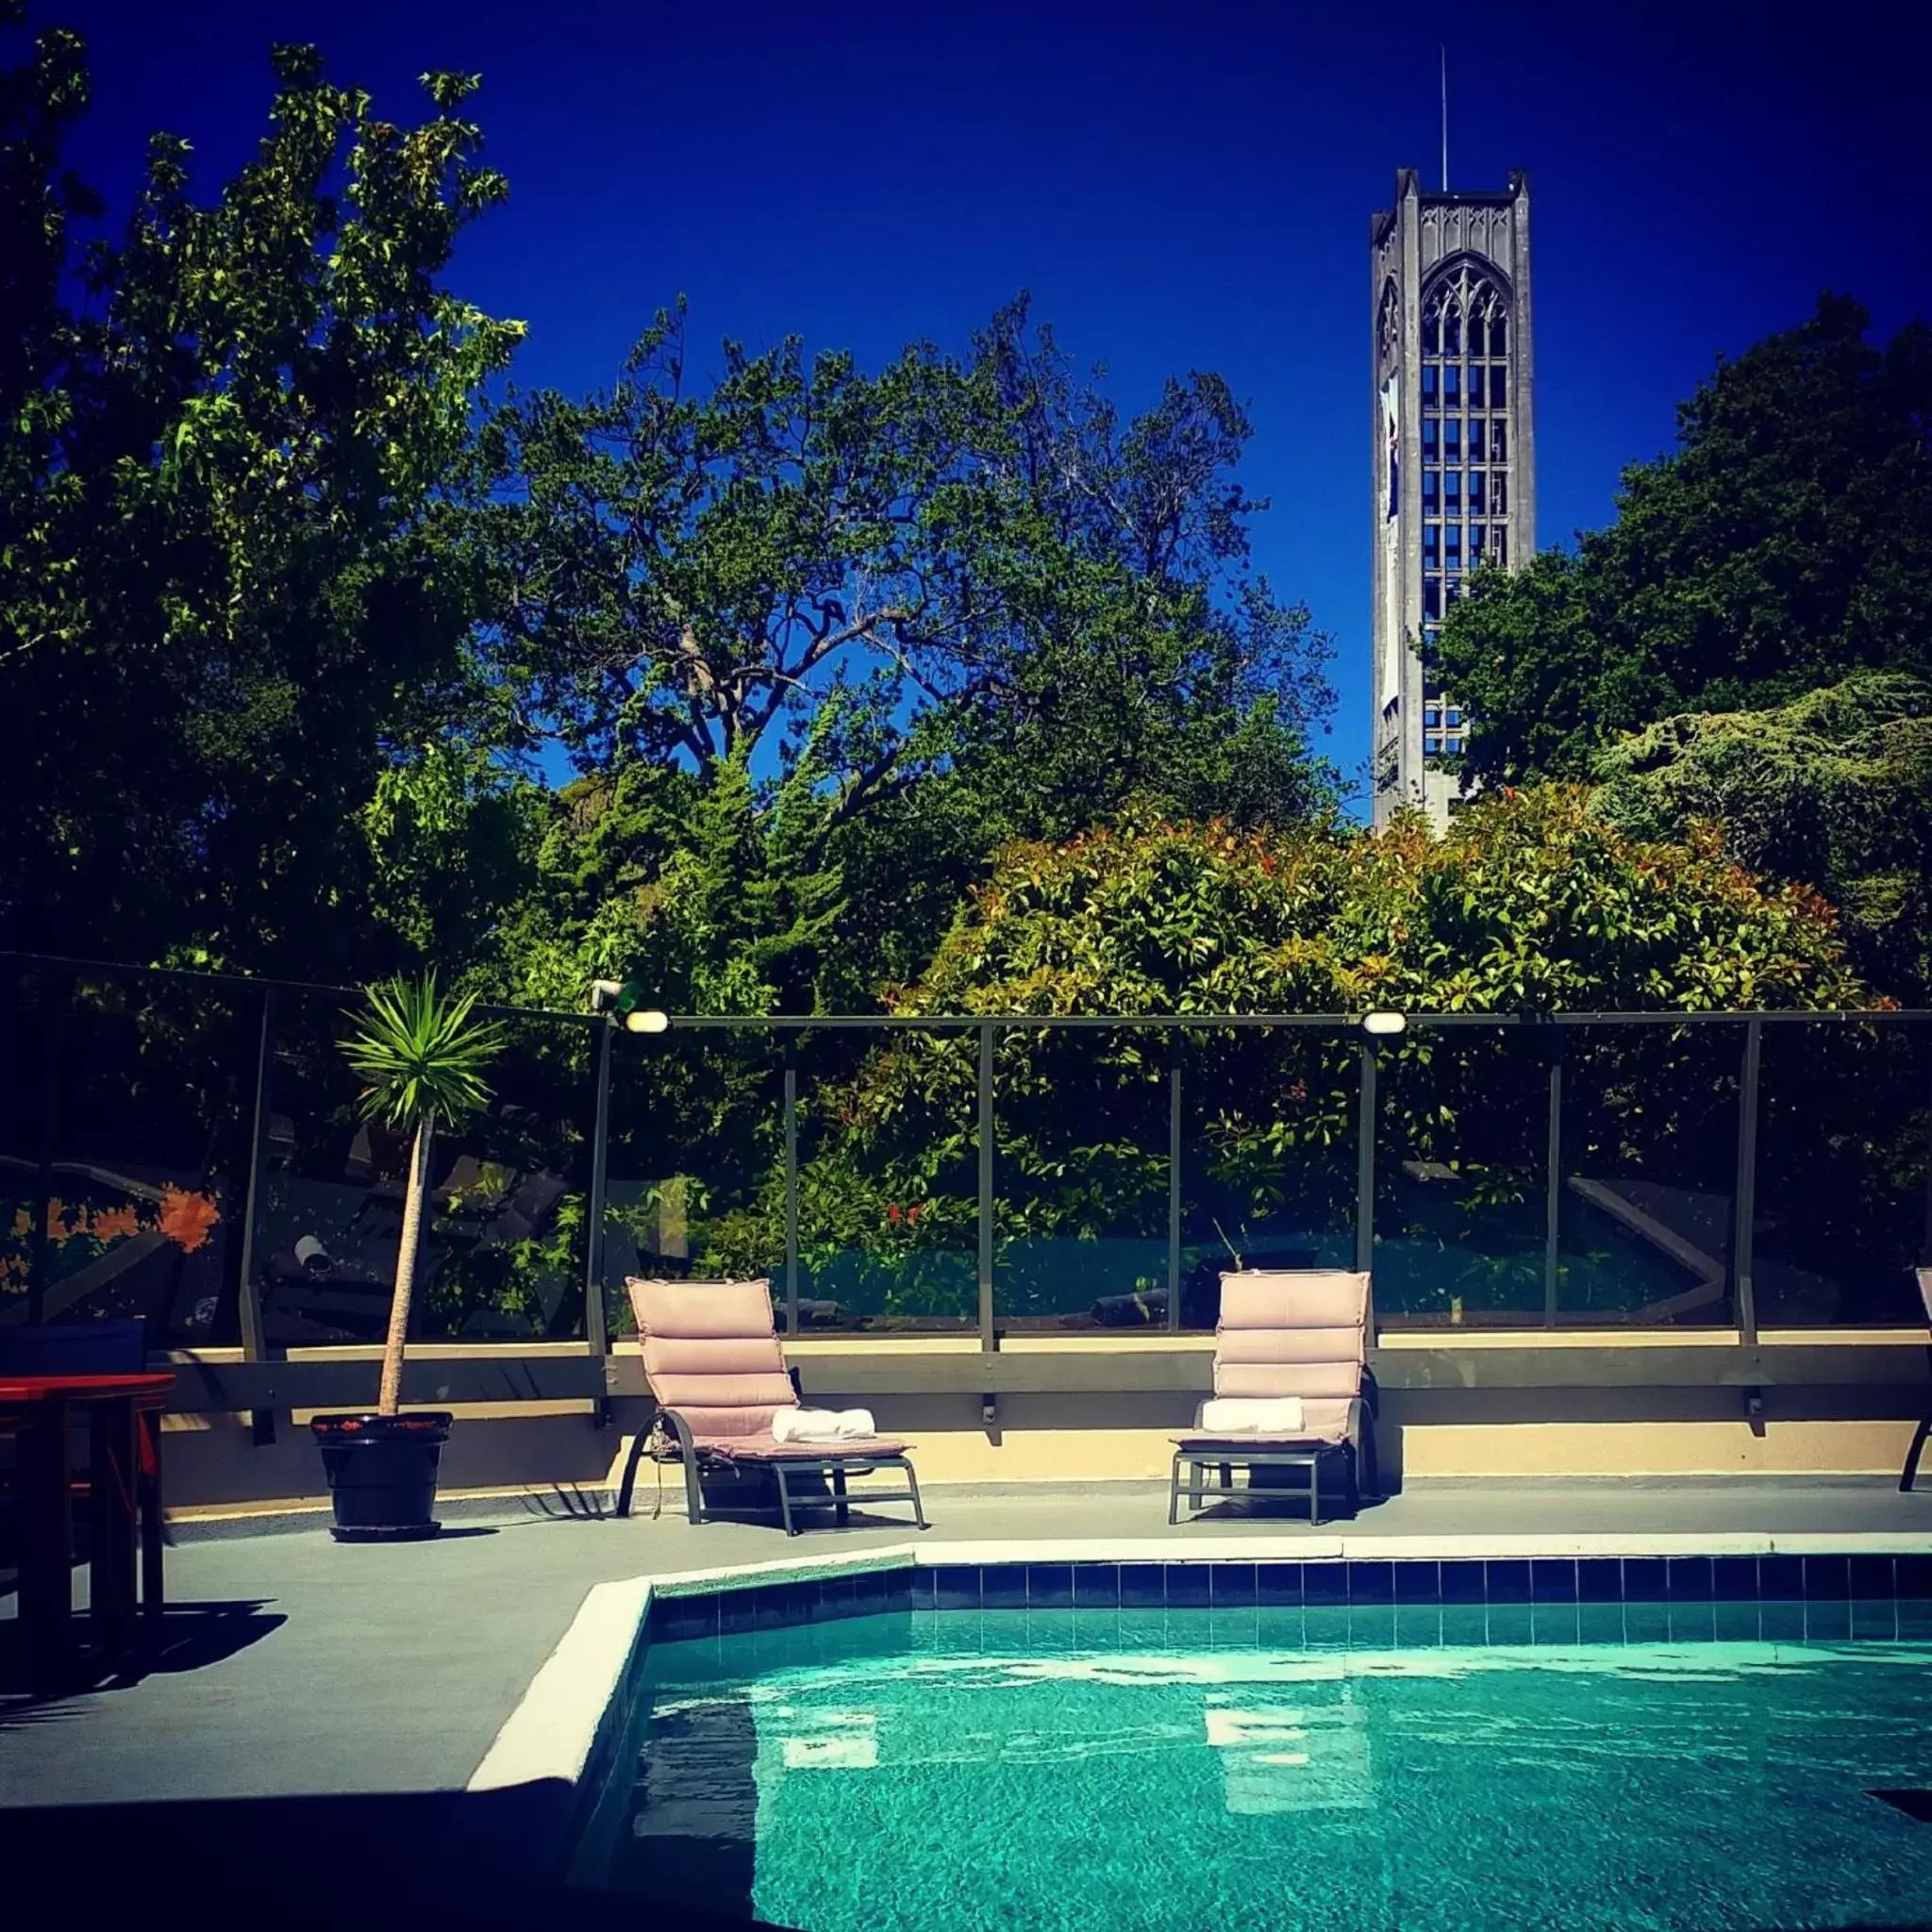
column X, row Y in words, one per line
column 1241, row 1761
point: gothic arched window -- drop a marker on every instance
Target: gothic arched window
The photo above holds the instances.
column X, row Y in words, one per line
column 1465, row 315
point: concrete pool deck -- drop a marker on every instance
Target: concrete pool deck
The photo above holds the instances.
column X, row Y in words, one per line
column 312, row 1694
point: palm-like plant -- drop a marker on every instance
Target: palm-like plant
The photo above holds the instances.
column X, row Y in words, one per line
column 420, row 1055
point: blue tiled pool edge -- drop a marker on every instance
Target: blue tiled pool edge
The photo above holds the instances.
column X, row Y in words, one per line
column 1228, row 1582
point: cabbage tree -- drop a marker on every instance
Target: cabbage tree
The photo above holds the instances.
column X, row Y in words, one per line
column 420, row 1055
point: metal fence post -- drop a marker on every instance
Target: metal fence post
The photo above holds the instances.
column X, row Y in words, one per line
column 261, row 1421
column 1553, row 1189
column 53, row 1039
column 1747, row 1183
column 791, row 1191
column 253, row 1345
column 1365, row 1166
column 1173, row 1182
column 1925, row 1250
column 986, row 1335
column 597, row 1328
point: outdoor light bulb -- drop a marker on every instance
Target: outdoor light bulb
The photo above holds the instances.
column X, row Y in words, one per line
column 646, row 1020
column 1385, row 1022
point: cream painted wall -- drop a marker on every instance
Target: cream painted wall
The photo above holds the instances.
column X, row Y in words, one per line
column 213, row 1467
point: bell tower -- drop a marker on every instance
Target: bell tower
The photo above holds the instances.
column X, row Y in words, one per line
column 1453, row 430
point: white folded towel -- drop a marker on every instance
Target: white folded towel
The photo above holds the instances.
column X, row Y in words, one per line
column 821, row 1424
column 1232, row 1415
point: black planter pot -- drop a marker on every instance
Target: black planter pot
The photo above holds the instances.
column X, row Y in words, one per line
column 381, row 1474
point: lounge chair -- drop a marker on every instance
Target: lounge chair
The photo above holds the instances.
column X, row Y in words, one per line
column 714, row 1364
column 1288, row 1333
column 1925, row 1429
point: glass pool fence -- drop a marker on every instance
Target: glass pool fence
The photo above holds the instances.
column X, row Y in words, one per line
column 187, row 1147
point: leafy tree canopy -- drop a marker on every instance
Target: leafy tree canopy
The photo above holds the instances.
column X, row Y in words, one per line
column 1787, row 542
column 226, row 608
column 1834, row 788
column 820, row 640
column 1530, row 903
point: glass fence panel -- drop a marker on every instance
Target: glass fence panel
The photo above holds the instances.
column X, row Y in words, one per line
column 1844, row 1174
column 152, row 1095
column 26, row 1079
column 1080, row 1168
column 1268, row 1155
column 127, row 1128
column 1461, row 1178
column 511, row 1187
column 502, row 1249
column 889, row 1181
column 1646, row 1197
column 695, row 1178
column 328, row 1214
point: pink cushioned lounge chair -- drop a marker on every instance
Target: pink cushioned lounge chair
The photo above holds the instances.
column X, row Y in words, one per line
column 1290, row 1333
column 714, row 1363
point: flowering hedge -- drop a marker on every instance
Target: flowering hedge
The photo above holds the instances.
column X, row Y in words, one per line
column 1528, row 905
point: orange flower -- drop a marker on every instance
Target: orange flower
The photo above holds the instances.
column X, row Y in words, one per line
column 186, row 1219
column 115, row 1223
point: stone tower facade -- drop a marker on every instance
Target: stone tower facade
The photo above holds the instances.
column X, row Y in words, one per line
column 1453, row 430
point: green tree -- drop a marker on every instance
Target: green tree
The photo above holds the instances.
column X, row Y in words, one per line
column 705, row 885
column 1529, row 903
column 228, row 601
column 819, row 640
column 421, row 1055
column 41, row 338
column 1834, row 788
column 1785, row 543
column 450, row 835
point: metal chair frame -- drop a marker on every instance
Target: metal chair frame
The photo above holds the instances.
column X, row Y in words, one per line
column 833, row 1465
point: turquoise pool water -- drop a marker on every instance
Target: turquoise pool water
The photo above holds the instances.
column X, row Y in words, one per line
column 1001, row 1768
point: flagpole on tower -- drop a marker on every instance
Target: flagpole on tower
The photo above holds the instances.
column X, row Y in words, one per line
column 1444, row 50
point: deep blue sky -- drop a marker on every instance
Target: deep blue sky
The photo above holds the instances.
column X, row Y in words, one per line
column 1179, row 186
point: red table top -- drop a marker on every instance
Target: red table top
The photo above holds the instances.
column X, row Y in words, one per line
column 15, row 1390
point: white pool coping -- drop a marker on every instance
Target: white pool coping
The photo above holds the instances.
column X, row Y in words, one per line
column 555, row 1731
column 551, row 1732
